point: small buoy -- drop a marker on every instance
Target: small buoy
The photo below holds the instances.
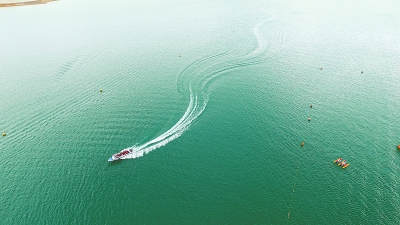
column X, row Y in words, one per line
column 362, row 71
column 320, row 68
column 309, row 119
column 302, row 144
column 310, row 105
column 101, row 90
column 4, row 134
column 398, row 146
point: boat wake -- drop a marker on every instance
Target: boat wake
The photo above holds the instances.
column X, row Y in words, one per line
column 195, row 81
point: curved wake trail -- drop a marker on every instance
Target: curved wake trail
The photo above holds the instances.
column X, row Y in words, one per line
column 197, row 83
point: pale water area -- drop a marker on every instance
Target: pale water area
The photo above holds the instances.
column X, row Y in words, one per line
column 214, row 98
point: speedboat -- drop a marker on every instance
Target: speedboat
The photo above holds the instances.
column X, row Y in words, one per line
column 120, row 155
column 338, row 160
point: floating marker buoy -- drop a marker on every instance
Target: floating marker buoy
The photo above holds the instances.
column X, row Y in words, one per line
column 302, row 144
column 362, row 71
column 310, row 105
column 4, row 134
column 309, row 119
column 101, row 90
column 398, row 146
column 320, row 68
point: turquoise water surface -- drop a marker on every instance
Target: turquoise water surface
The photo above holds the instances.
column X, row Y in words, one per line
column 214, row 97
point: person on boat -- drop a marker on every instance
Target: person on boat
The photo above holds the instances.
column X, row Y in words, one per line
column 338, row 160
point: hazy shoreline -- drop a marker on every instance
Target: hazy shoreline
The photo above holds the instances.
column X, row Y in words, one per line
column 36, row 2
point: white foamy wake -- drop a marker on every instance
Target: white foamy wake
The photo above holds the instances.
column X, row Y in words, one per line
column 194, row 109
column 197, row 83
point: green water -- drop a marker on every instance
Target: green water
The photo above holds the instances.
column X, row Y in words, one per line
column 217, row 94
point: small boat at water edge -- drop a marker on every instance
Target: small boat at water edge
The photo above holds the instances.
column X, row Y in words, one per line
column 120, row 155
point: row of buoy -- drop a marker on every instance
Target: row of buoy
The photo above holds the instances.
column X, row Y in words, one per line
column 309, row 119
column 362, row 71
column 4, row 133
column 296, row 177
